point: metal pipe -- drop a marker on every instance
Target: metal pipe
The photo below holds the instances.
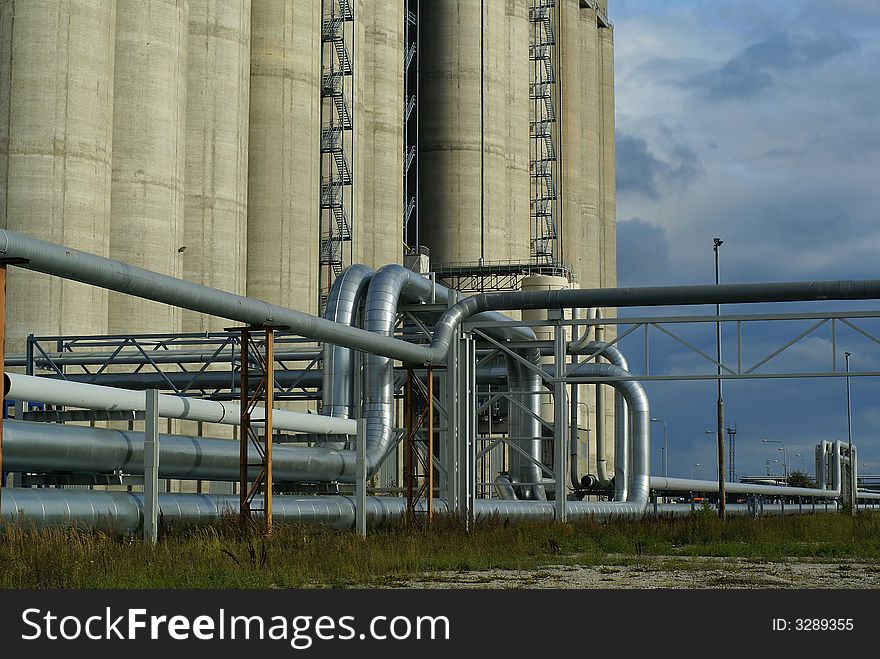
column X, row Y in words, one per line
column 49, row 447
column 695, row 485
column 639, row 476
column 346, row 296
column 601, row 451
column 389, row 286
column 646, row 297
column 122, row 512
column 526, row 423
column 504, row 488
column 114, row 275
column 96, row 397
column 621, row 414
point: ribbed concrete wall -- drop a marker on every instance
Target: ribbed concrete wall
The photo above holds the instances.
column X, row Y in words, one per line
column 283, row 159
column 579, row 125
column 149, row 132
column 456, row 226
column 379, row 223
column 56, row 103
column 608, row 187
column 215, row 219
column 516, row 115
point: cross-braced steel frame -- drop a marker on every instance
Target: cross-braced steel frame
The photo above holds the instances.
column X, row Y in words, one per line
column 260, row 351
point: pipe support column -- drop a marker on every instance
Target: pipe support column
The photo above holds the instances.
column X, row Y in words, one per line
column 466, row 429
column 151, row 467
column 560, row 421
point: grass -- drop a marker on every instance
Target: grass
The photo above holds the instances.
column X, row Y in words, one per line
column 297, row 557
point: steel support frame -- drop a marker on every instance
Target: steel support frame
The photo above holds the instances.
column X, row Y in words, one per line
column 418, row 470
column 262, row 355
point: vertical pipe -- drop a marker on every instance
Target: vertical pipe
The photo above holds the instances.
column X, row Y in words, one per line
column 450, row 436
column 151, row 467
column 361, row 480
column 560, row 421
column 267, row 431
column 601, row 451
column 2, row 365
column 467, row 413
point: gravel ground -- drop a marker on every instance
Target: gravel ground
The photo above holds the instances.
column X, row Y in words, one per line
column 667, row 573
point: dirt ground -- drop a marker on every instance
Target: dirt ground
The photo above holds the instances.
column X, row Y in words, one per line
column 667, row 573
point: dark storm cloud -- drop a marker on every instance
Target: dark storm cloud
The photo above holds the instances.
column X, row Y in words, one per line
column 803, row 223
column 755, row 68
column 643, row 253
column 640, row 172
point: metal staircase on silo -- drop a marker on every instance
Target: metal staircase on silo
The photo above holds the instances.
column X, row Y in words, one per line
column 543, row 132
column 337, row 131
column 411, row 127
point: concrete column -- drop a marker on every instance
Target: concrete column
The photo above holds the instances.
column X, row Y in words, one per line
column 149, row 131
column 379, row 228
column 56, row 135
column 283, row 153
column 215, row 220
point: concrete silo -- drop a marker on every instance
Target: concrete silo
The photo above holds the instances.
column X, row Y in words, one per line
column 149, row 129
column 215, row 218
column 283, row 153
column 608, row 206
column 579, row 120
column 471, row 152
column 516, row 112
column 378, row 225
column 56, row 100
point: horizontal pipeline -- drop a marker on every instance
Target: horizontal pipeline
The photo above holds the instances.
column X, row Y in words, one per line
column 62, row 261
column 96, row 397
column 122, row 512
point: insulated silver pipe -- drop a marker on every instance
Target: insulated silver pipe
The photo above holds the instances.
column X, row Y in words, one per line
column 504, row 488
column 114, row 275
column 639, row 476
column 621, row 413
column 524, row 419
column 346, row 296
column 122, row 512
column 96, row 397
column 693, row 485
column 389, row 286
column 49, row 447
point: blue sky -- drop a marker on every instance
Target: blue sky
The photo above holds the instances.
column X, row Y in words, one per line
column 758, row 123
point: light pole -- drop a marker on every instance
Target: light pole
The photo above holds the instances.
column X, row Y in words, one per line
column 722, row 494
column 852, row 488
column 803, row 462
column 696, row 464
column 784, row 450
column 665, row 460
